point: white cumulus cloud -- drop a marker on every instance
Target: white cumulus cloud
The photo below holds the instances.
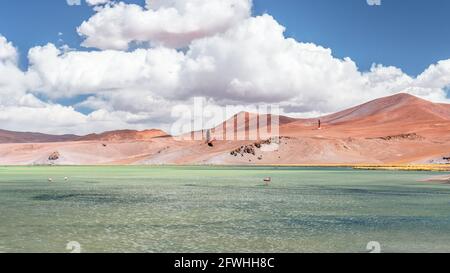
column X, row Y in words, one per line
column 8, row 52
column 172, row 23
column 249, row 63
column 229, row 57
column 97, row 2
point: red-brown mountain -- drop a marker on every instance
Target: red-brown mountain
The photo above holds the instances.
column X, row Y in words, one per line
column 395, row 129
column 27, row 137
column 125, row 135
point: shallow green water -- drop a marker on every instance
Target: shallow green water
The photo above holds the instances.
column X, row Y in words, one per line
column 220, row 209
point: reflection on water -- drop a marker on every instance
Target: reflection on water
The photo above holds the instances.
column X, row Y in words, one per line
column 220, row 209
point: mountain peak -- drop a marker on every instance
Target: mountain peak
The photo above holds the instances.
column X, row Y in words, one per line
column 402, row 97
column 399, row 106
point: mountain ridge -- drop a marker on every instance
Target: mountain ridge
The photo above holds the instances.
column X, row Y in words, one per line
column 400, row 107
column 399, row 129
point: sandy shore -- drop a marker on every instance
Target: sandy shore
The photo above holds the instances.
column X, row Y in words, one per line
column 427, row 167
column 394, row 167
column 441, row 179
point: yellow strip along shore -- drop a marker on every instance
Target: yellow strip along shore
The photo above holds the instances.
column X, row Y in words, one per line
column 394, row 167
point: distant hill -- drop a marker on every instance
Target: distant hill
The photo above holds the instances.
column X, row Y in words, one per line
column 122, row 135
column 27, row 137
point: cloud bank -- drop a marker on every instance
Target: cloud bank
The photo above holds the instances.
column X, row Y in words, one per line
column 186, row 49
column 171, row 23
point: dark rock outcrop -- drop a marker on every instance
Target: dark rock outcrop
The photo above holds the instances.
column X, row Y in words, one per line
column 54, row 156
column 412, row 136
column 248, row 149
column 252, row 149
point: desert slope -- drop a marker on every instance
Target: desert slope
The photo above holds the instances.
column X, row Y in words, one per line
column 398, row 129
column 125, row 135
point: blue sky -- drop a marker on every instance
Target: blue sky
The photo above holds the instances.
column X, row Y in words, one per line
column 409, row 34
column 217, row 50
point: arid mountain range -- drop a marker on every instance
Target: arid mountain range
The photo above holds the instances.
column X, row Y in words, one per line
column 399, row 129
